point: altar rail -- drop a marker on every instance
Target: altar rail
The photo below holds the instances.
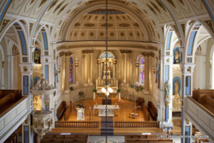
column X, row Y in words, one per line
column 125, row 124
column 76, row 124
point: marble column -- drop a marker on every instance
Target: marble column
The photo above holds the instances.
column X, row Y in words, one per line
column 151, row 56
column 125, row 66
column 91, row 68
column 76, row 71
column 114, row 68
column 136, row 71
column 187, row 71
column 67, row 76
column 86, row 69
column 99, row 68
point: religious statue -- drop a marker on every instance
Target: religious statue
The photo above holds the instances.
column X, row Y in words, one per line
column 37, row 56
column 167, row 88
column 177, row 56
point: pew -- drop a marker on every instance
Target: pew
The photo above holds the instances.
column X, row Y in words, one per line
column 8, row 98
column 145, row 112
column 205, row 98
column 152, row 110
column 61, row 109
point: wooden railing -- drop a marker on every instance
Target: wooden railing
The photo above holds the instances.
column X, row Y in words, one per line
column 76, row 124
column 124, row 124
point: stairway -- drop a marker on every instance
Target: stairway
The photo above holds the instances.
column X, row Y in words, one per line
column 107, row 122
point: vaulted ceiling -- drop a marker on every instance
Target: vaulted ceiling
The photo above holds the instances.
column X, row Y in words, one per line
column 151, row 15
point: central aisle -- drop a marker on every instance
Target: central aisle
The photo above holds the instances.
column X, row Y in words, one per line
column 107, row 122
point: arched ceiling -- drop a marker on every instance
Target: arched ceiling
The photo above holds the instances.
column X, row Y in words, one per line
column 92, row 26
column 154, row 12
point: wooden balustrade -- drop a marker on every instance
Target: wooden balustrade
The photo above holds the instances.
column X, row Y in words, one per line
column 124, row 124
column 76, row 124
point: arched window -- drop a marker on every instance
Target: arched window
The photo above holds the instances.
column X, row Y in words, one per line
column 71, row 69
column 142, row 71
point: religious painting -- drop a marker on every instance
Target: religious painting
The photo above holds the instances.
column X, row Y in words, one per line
column 142, row 70
column 37, row 55
column 177, row 55
column 37, row 102
column 71, row 68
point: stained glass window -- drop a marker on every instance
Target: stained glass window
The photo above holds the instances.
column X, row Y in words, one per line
column 71, row 79
column 142, row 70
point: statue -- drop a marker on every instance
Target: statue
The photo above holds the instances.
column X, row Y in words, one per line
column 177, row 86
column 167, row 88
column 177, row 57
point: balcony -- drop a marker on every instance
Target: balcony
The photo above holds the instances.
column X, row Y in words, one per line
column 14, row 115
column 200, row 116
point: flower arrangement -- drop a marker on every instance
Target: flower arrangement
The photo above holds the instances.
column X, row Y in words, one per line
column 71, row 88
column 94, row 90
column 118, row 90
column 137, row 87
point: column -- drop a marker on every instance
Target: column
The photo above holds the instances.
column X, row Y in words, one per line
column 86, row 69
column 99, row 68
column 187, row 69
column 146, row 83
column 61, row 70
column 76, row 71
column 125, row 66
column 114, row 68
column 136, row 71
column 9, row 72
column 2, row 75
column 26, row 72
column 67, row 76
column 151, row 56
column 91, row 68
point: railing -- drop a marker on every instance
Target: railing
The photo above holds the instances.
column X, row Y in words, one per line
column 76, row 124
column 201, row 117
column 14, row 117
column 124, row 124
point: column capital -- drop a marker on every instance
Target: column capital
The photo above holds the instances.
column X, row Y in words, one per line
column 68, row 53
column 187, row 68
column 87, row 51
column 125, row 51
column 114, row 61
column 27, row 68
column 61, row 54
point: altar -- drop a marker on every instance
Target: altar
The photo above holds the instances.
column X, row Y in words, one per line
column 102, row 109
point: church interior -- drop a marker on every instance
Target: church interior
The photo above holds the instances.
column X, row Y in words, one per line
column 106, row 71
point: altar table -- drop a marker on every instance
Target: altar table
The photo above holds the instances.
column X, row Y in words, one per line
column 102, row 109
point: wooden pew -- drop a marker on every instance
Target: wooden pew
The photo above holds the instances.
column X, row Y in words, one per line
column 61, row 109
column 153, row 111
column 145, row 112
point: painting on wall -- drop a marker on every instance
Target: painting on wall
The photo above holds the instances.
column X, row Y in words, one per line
column 37, row 55
column 177, row 55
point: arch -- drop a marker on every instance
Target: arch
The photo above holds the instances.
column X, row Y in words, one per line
column 109, row 55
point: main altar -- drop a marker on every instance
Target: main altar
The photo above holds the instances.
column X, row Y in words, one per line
column 110, row 110
column 106, row 70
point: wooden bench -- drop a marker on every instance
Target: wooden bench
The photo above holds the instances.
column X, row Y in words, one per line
column 61, row 109
column 205, row 98
column 145, row 112
column 153, row 111
column 8, row 98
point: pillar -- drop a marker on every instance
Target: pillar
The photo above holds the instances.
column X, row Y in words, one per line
column 99, row 68
column 67, row 76
column 137, row 71
column 125, row 70
column 62, row 70
column 114, row 68
column 26, row 72
column 76, row 71
column 151, row 56
column 187, row 69
column 9, row 71
column 91, row 68
column 86, row 69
